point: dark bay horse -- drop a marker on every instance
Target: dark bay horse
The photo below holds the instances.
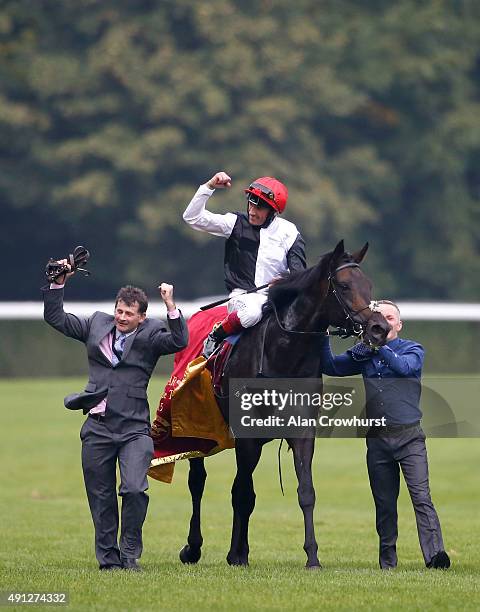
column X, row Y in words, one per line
column 303, row 305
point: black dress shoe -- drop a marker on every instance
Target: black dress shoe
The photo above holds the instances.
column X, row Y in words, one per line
column 439, row 561
column 132, row 565
column 109, row 568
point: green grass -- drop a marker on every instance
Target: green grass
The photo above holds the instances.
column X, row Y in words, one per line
column 46, row 535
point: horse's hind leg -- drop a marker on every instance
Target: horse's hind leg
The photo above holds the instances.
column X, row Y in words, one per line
column 243, row 498
column 302, row 456
column 197, row 475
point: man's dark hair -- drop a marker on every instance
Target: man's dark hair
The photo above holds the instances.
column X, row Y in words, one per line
column 391, row 304
column 130, row 295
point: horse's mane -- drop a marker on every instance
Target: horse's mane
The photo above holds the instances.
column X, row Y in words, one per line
column 283, row 292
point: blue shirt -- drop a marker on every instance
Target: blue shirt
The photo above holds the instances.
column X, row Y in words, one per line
column 391, row 377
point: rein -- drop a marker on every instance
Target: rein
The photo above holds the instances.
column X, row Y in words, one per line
column 357, row 328
column 297, row 331
column 343, row 332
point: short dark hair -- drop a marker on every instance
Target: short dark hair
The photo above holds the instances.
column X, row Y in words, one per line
column 130, row 295
column 390, row 303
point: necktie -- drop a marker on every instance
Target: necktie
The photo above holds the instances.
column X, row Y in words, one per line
column 118, row 348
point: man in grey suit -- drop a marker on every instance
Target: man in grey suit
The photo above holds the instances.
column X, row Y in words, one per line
column 123, row 350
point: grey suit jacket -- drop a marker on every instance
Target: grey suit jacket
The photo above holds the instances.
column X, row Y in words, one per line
column 124, row 385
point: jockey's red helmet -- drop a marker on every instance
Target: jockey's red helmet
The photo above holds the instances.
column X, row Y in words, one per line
column 271, row 191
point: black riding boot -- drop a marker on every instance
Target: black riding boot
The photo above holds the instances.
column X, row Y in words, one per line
column 217, row 335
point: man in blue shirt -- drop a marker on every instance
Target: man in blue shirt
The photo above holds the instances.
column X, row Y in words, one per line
column 392, row 378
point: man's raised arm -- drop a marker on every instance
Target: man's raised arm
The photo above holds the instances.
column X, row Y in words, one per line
column 68, row 324
column 176, row 339
column 203, row 220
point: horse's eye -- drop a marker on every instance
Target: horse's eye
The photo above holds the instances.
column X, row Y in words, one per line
column 344, row 286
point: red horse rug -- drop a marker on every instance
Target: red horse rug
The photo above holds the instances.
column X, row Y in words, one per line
column 188, row 421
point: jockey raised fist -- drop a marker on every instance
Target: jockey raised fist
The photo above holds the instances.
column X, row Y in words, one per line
column 220, row 180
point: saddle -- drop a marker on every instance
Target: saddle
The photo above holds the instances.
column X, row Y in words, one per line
column 217, row 362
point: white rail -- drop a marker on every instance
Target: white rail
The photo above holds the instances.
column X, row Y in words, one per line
column 411, row 311
column 34, row 310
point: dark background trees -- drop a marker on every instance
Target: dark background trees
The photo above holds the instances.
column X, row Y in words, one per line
column 112, row 112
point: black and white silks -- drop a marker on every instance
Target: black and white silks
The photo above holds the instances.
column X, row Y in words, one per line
column 254, row 255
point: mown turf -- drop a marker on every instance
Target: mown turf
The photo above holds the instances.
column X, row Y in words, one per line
column 46, row 535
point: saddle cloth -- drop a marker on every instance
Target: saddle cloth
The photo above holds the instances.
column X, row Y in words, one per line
column 188, row 421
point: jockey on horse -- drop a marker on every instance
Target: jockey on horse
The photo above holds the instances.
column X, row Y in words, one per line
column 260, row 247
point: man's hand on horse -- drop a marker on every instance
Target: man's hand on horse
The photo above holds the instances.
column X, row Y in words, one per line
column 221, row 180
column 166, row 293
column 62, row 279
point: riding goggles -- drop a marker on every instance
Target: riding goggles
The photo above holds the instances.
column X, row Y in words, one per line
column 268, row 193
column 257, row 201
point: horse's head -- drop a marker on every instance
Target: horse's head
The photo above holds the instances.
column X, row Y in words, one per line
column 349, row 303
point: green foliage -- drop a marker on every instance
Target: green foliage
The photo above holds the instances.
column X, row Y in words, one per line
column 111, row 114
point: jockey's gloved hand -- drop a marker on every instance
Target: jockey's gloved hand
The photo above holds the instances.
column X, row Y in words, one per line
column 362, row 352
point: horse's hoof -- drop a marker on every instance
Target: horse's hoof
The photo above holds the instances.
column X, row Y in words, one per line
column 190, row 555
column 237, row 561
column 317, row 566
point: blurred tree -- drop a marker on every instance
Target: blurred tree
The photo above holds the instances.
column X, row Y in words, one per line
column 112, row 112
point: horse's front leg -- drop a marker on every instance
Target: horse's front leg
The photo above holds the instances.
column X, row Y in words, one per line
column 247, row 454
column 197, row 475
column 302, row 455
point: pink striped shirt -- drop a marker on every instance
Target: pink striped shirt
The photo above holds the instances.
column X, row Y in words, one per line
column 106, row 348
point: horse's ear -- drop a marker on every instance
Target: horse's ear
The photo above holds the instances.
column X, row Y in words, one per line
column 335, row 255
column 359, row 255
column 338, row 251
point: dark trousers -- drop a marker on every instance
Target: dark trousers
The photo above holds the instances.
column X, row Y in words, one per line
column 386, row 454
column 101, row 449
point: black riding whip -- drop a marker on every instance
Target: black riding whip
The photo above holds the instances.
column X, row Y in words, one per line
column 222, row 301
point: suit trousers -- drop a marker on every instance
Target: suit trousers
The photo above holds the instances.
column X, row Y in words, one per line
column 101, row 449
column 386, row 455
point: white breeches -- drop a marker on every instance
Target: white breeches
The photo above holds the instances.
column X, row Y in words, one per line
column 248, row 307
